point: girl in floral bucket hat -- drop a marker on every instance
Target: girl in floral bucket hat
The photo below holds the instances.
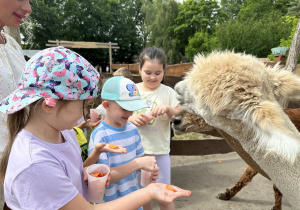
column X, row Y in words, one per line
column 41, row 167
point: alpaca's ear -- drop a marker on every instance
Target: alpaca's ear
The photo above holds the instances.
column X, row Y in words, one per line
column 287, row 87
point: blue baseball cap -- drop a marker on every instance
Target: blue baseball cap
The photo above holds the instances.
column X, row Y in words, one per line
column 124, row 92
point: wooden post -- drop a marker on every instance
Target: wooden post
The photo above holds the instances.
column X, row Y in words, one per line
column 110, row 59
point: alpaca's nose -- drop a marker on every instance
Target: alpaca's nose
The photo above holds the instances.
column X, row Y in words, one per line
column 176, row 121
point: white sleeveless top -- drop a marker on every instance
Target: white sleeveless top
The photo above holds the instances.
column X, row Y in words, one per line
column 12, row 63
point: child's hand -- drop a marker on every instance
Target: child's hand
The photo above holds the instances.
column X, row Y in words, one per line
column 147, row 163
column 85, row 175
column 94, row 124
column 88, row 124
column 160, row 110
column 154, row 174
column 107, row 181
column 159, row 192
column 140, row 119
column 103, row 147
column 115, row 148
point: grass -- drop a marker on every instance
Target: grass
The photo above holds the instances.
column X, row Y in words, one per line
column 185, row 136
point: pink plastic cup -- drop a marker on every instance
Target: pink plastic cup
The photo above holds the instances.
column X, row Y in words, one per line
column 96, row 185
column 145, row 178
column 94, row 115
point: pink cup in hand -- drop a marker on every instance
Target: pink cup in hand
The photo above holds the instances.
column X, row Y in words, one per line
column 149, row 116
column 96, row 185
column 94, row 115
column 145, row 178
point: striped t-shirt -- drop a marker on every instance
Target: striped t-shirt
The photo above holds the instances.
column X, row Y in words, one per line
column 129, row 137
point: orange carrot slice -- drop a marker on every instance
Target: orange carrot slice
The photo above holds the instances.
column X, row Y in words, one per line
column 169, row 187
column 113, row 146
column 96, row 174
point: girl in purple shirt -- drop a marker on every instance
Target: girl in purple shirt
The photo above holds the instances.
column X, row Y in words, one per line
column 41, row 167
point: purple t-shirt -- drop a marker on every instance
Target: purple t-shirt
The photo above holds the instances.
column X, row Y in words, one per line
column 42, row 175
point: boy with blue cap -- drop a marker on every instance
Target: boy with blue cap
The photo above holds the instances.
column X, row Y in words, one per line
column 120, row 98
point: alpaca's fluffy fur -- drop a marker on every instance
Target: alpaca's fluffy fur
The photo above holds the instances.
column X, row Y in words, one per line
column 238, row 94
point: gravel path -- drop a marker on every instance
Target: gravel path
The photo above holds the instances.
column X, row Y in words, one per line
column 207, row 176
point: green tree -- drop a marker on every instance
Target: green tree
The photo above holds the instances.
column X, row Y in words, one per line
column 253, row 36
column 294, row 8
column 46, row 22
column 202, row 42
column 258, row 9
column 159, row 17
column 125, row 32
column 90, row 21
column 232, row 7
column 196, row 15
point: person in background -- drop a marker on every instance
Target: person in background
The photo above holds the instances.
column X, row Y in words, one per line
column 42, row 152
column 80, row 136
column 154, row 123
column 12, row 61
column 123, row 71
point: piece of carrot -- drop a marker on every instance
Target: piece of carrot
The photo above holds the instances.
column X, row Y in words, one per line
column 169, row 187
column 96, row 174
column 113, row 146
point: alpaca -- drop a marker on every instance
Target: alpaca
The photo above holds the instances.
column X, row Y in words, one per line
column 188, row 122
column 241, row 97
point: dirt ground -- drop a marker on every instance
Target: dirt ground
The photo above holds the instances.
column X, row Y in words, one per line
column 207, row 176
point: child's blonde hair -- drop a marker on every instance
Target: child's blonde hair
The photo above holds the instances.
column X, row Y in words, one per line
column 123, row 71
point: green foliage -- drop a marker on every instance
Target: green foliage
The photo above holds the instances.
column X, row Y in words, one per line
column 91, row 21
column 251, row 26
column 294, row 9
column 286, row 42
column 271, row 57
column 257, row 9
column 193, row 16
column 203, row 43
column 253, row 36
column 159, row 16
column 232, row 7
column 292, row 20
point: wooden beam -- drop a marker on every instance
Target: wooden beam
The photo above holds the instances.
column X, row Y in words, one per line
column 199, row 147
column 110, row 58
column 79, row 44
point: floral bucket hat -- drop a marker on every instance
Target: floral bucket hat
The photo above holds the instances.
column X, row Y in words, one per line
column 53, row 73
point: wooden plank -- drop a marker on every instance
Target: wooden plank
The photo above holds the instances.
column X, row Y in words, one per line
column 172, row 70
column 78, row 44
column 199, row 147
column 134, row 68
column 64, row 41
column 178, row 69
column 117, row 66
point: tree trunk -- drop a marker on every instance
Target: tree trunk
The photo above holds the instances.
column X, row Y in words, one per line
column 292, row 59
column 14, row 33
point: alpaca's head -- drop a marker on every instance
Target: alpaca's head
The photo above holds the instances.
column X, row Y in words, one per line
column 184, row 121
column 233, row 90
